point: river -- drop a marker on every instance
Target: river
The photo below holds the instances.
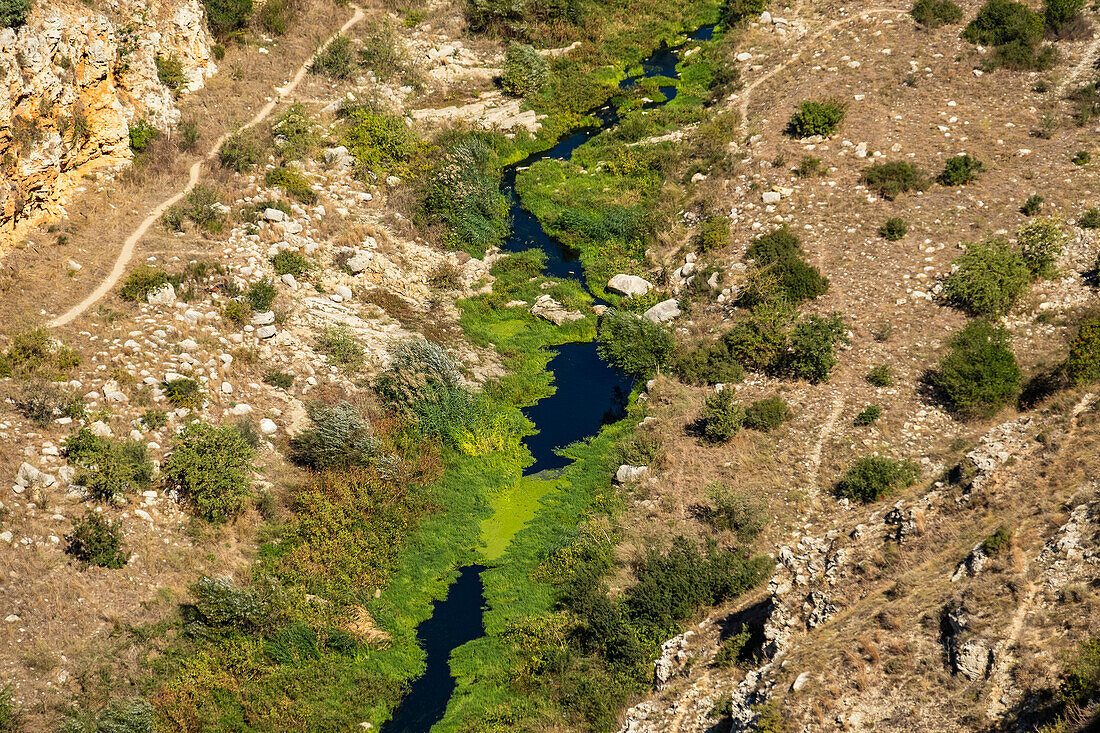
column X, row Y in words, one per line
column 589, row 393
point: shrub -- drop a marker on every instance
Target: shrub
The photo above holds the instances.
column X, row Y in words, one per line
column 812, row 354
column 730, row 510
column 767, row 414
column 634, row 344
column 278, row 379
column 341, row 348
column 732, row 648
column 209, row 468
column 241, row 151
column 997, row 541
column 934, row 13
column 13, row 12
column 735, row 11
column 1033, row 205
column 183, row 392
column 1060, row 14
column 109, row 468
column 893, row 229
column 220, row 604
column 11, row 721
column 760, row 341
column 714, row 233
column 781, row 271
column 707, row 364
column 290, row 262
column 810, row 166
column 34, row 353
column 141, row 281
column 380, row 52
column 722, row 418
column 525, row 70
column 237, row 311
column 979, row 375
column 170, row 72
column 295, row 137
column 1001, row 22
column 989, row 280
column 894, row 178
column 872, row 477
column 189, row 133
column 960, row 170
column 227, row 17
column 293, row 183
column 1090, row 219
column 1041, row 241
column 816, row 118
column 141, row 135
column 261, row 294
column 380, row 144
column 868, row 415
column 276, row 16
column 779, row 244
column 340, row 437
column 336, row 60
column 95, row 540
column 463, row 192
column 154, row 419
column 1082, row 157
column 1083, row 362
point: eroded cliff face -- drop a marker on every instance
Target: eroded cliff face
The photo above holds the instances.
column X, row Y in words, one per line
column 72, row 80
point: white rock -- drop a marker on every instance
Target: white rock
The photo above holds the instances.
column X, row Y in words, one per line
column 666, row 310
column 265, row 332
column 101, row 429
column 274, row 214
column 630, row 473
column 344, row 292
column 268, row 426
column 262, row 318
column 629, row 285
column 164, row 295
column 5, row 536
column 227, row 388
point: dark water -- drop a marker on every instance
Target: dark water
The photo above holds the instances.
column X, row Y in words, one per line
column 590, row 393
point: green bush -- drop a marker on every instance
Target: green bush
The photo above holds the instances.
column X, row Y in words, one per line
column 11, row 720
column 816, row 118
column 880, row 376
column 525, row 70
column 209, row 468
column 463, row 192
column 776, row 245
column 35, row 353
column 221, row 605
column 132, row 715
column 1000, row 22
column 1041, row 241
column 290, row 262
column 261, row 294
column 95, row 540
column 141, row 281
column 1081, row 157
column 810, row 166
column 183, row 392
column 380, row 144
column 736, row 11
column 713, row 234
column 722, row 418
column 341, row 348
column 1083, row 362
column 1081, row 678
column 241, row 151
column 381, row 53
column 760, row 341
column 989, row 279
column 767, row 414
column 336, row 60
column 960, row 170
column 227, row 17
column 109, row 468
column 706, row 364
column 141, row 135
column 294, row 183
column 170, row 72
column 934, row 13
column 730, row 510
column 997, row 541
column 893, row 229
column 276, row 16
column 634, row 344
column 781, row 271
column 894, row 178
column 812, row 354
column 1090, row 219
column 13, row 12
column 1060, row 14
column 979, row 375
column 154, row 419
column 340, row 436
column 1086, row 101
column 872, row 477
column 1033, row 205
column 279, row 379
column 732, row 648
column 295, row 136
column 868, row 415
column 237, row 311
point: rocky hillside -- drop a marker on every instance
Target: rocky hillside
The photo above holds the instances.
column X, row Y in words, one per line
column 73, row 78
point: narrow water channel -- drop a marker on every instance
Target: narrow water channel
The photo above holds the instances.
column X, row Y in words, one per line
column 589, row 393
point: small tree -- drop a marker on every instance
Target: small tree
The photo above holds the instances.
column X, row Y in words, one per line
column 989, row 280
column 227, row 17
column 635, row 344
column 1041, row 241
column 1060, row 14
column 208, row 467
column 96, row 540
column 525, row 70
column 979, row 375
column 767, row 414
column 722, row 417
column 960, row 170
column 340, row 437
column 1083, row 362
column 731, row 510
column 816, row 118
column 894, row 178
column 812, row 353
column 934, row 13
column 894, row 229
column 868, row 415
column 13, row 12
column 872, row 477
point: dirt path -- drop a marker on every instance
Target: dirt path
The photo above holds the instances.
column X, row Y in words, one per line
column 195, row 172
column 801, row 47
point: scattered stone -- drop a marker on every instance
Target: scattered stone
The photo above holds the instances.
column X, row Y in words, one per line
column 553, row 311
column 664, row 311
column 627, row 473
column 268, row 426
column 629, row 285
column 164, row 295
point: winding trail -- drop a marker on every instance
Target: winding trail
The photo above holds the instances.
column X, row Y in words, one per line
column 801, row 48
column 195, row 172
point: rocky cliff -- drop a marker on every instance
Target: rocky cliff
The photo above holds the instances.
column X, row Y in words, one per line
column 72, row 80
